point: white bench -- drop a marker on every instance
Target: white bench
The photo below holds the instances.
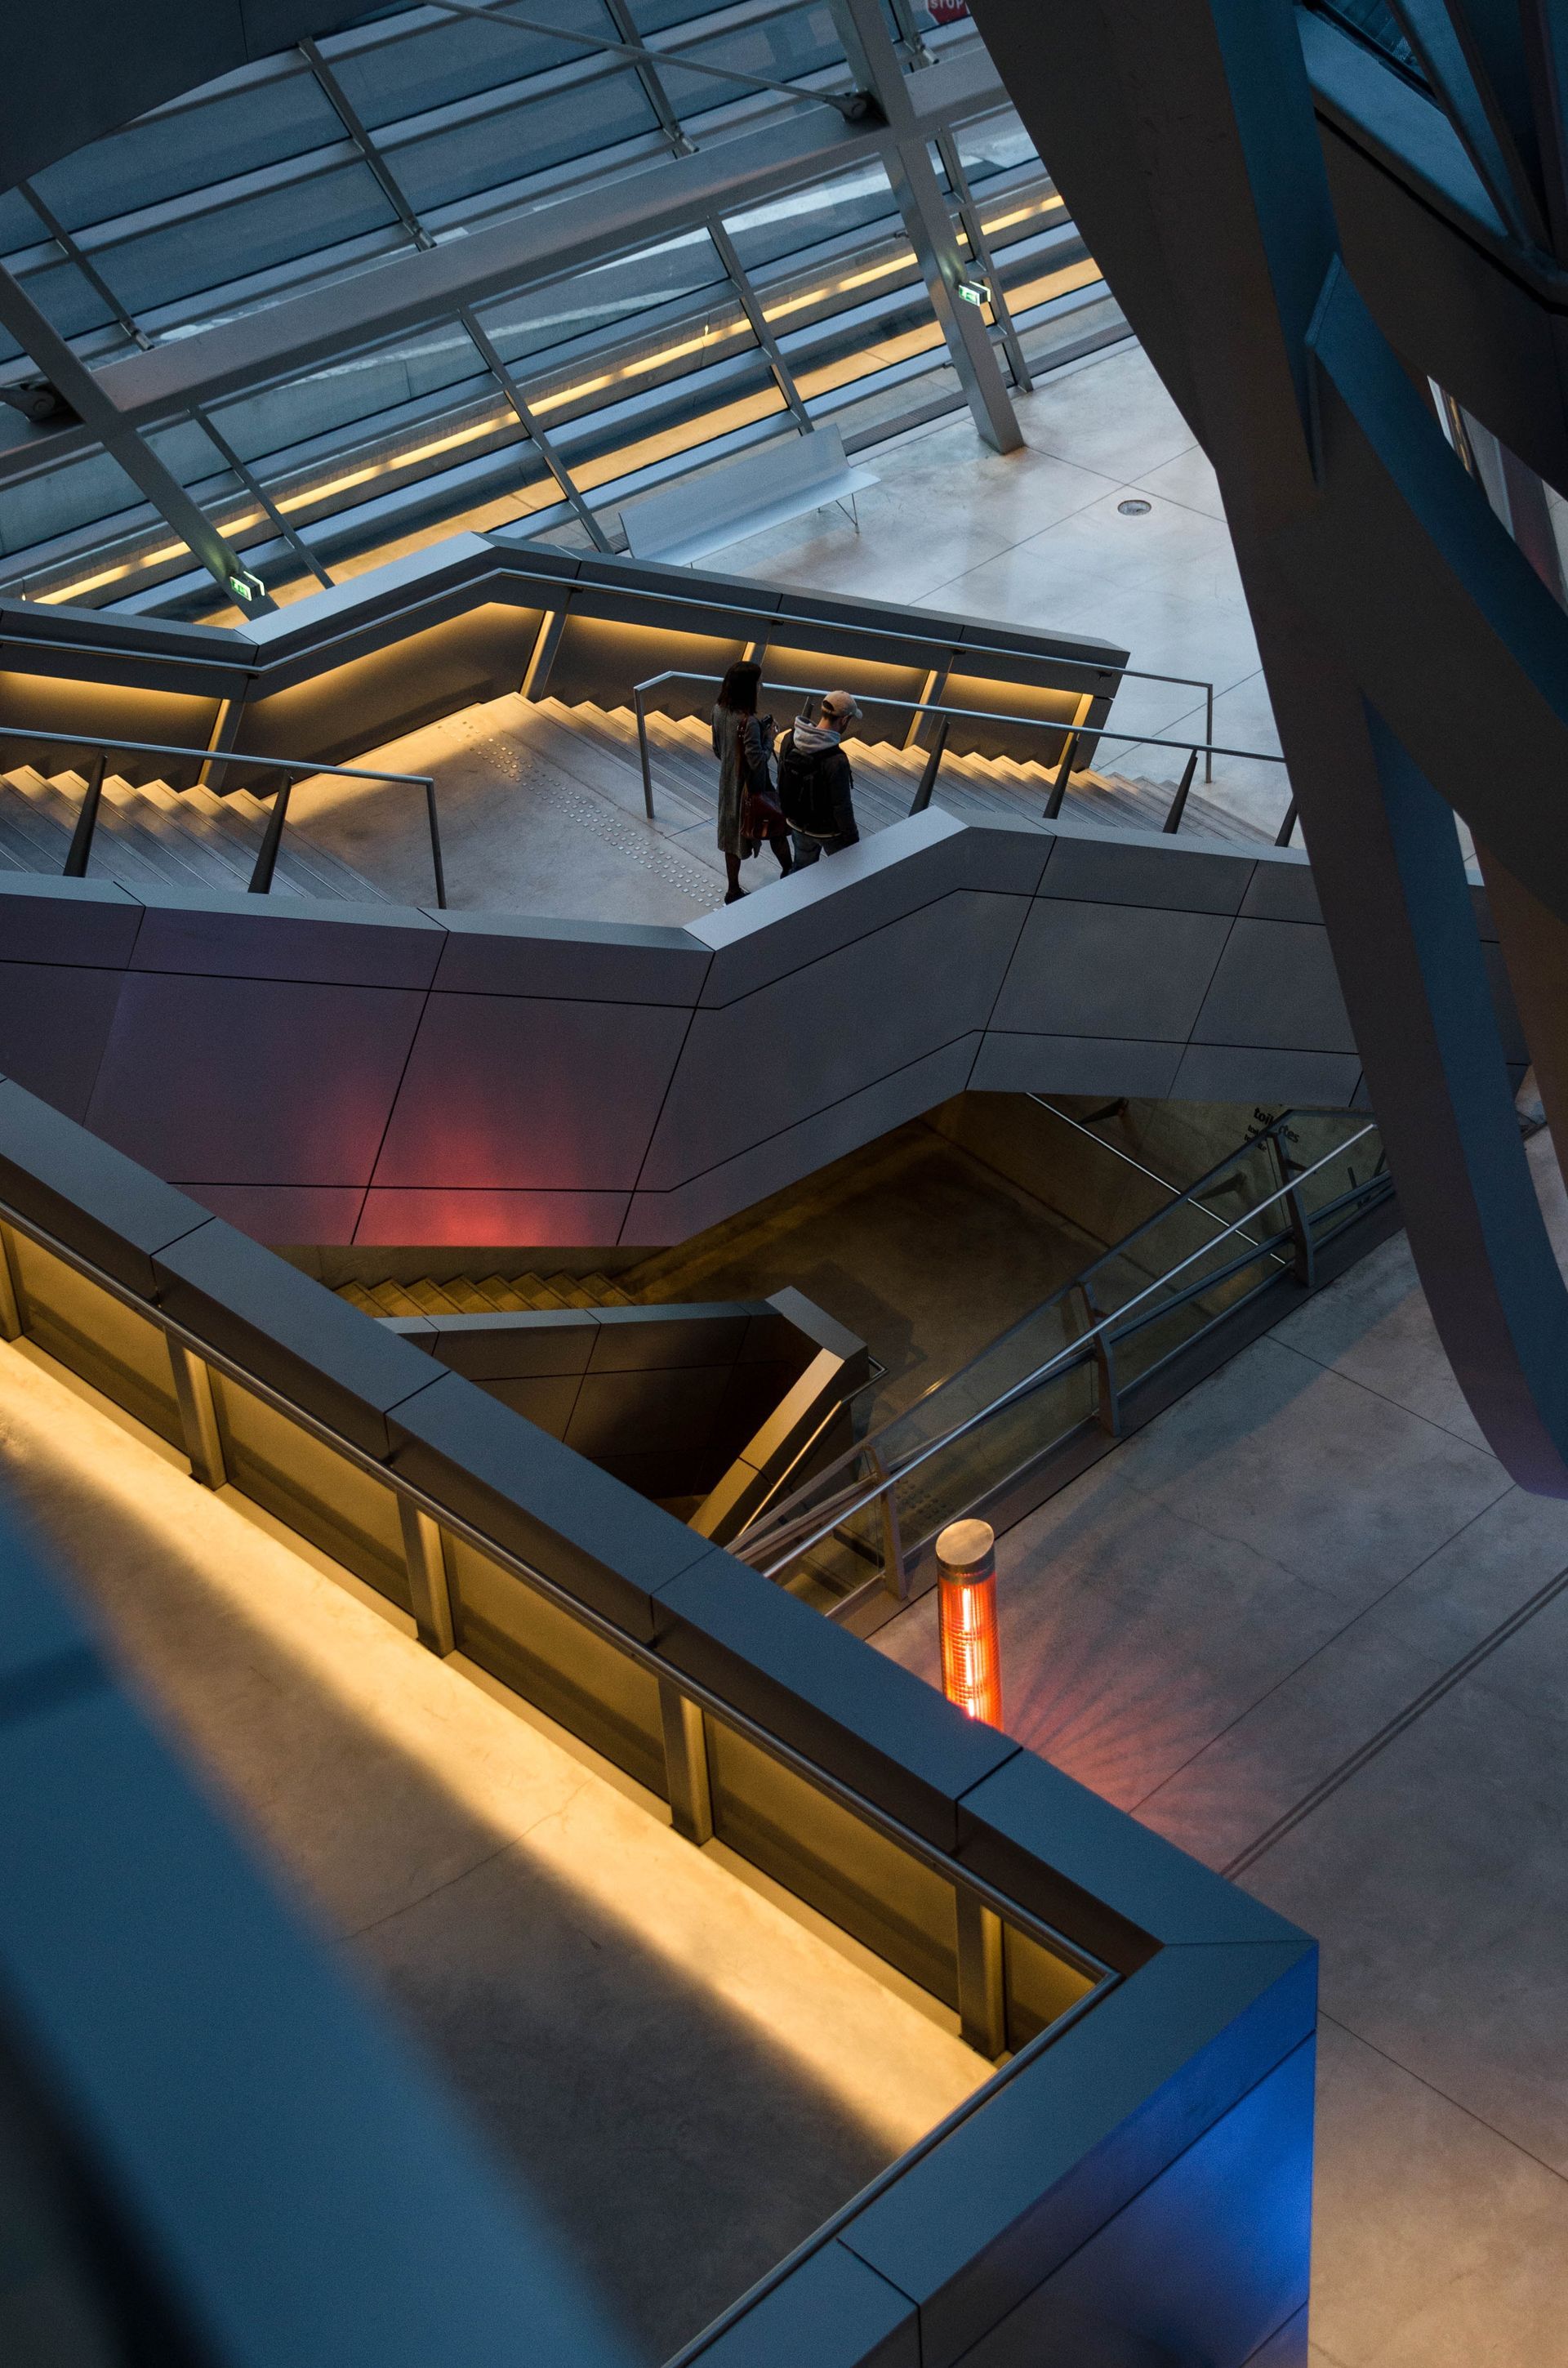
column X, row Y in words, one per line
column 760, row 488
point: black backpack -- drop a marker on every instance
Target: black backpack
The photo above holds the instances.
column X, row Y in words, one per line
column 805, row 791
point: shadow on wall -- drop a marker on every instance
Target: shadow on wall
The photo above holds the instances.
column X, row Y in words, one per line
column 682, row 2146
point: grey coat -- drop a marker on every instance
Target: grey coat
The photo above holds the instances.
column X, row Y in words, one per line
column 738, row 744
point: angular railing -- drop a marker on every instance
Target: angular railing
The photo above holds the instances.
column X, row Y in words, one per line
column 1079, row 744
column 1117, row 1971
column 285, row 772
column 1072, row 1363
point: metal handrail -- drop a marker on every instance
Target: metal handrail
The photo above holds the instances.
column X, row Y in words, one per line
column 253, row 667
column 1071, row 1353
column 1075, row 735
column 440, row 1509
column 289, row 768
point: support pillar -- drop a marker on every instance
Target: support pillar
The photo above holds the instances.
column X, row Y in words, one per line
column 873, row 63
column 37, row 337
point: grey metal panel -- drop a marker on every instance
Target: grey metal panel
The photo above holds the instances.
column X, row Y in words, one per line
column 1282, row 889
column 1228, row 1073
column 832, row 2312
column 521, row 1091
column 762, row 1064
column 294, row 1213
column 252, row 1081
column 545, row 1341
column 407, row 1215
column 208, row 933
column 1276, row 984
column 86, row 1193
column 984, row 2218
column 654, row 1411
column 831, row 904
column 546, row 1400
column 1515, row 1047
column 335, row 1362
column 1012, row 858
column 494, row 953
column 606, row 1547
column 874, row 1724
column 633, row 1339
column 90, row 921
column 1144, row 868
column 1066, row 1853
column 1178, row 2272
column 767, row 1167
column 1072, row 1064
column 54, row 1023
column 1101, row 970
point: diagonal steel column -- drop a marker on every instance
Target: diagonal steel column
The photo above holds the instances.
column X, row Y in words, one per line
column 38, row 335
column 874, row 64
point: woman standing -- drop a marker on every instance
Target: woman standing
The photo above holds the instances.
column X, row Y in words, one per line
column 746, row 809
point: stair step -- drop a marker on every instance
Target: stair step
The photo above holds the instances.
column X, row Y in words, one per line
column 149, row 835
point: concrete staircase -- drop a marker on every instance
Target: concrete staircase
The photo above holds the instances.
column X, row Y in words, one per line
column 972, row 789
column 149, row 836
column 493, row 1294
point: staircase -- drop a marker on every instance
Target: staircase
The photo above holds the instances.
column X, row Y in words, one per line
column 494, row 1294
column 149, row 836
column 995, row 790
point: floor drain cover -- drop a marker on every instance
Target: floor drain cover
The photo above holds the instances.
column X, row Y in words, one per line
column 1134, row 509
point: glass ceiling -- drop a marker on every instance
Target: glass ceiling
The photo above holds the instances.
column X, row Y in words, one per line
column 544, row 409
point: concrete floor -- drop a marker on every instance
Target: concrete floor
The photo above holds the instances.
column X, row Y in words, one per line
column 688, row 2076
column 1035, row 538
column 1305, row 1625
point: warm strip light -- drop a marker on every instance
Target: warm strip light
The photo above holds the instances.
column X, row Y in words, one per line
column 1034, row 292
column 1022, row 213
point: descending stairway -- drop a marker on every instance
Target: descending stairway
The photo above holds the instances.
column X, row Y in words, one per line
column 151, row 836
column 494, row 1294
column 971, row 788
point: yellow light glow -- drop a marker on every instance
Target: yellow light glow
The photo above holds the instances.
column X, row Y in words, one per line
column 1022, row 213
column 215, row 1606
column 843, row 373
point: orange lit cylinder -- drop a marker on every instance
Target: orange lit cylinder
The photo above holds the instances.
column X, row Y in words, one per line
column 971, row 1652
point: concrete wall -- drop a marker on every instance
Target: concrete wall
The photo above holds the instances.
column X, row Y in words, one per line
column 377, row 1075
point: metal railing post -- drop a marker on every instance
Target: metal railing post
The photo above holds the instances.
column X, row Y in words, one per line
column 1063, row 771
column 932, row 765
column 198, row 1415
column 1178, row 803
column 86, row 821
column 267, row 857
column 10, row 1306
column 642, row 750
column 436, row 863
column 896, row 1570
column 686, row 1764
column 1209, row 732
column 1288, row 827
column 1305, row 1259
column 429, row 1588
column 982, row 2002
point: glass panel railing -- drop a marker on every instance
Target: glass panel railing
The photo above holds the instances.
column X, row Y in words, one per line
column 1255, row 1217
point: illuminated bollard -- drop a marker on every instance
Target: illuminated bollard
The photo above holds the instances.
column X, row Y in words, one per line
column 971, row 1652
